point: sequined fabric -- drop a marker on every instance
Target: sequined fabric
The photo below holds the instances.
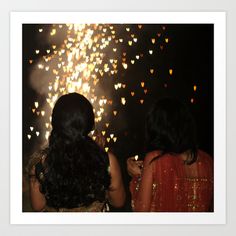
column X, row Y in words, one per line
column 177, row 187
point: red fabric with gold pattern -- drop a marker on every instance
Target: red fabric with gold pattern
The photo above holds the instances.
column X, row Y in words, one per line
column 169, row 185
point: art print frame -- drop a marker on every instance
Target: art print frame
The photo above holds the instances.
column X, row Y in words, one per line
column 218, row 19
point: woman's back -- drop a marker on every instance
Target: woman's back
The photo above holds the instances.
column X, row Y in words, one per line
column 76, row 172
column 176, row 187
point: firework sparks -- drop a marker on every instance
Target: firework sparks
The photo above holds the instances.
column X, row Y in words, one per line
column 89, row 54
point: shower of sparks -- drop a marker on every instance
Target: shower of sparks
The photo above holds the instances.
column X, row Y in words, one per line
column 89, row 55
column 123, row 101
column 141, row 101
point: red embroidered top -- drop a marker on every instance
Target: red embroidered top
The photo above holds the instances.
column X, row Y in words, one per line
column 169, row 185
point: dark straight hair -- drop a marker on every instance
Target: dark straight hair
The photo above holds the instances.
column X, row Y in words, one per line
column 170, row 128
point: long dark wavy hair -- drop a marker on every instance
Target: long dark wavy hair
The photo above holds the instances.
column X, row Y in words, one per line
column 76, row 168
column 170, row 128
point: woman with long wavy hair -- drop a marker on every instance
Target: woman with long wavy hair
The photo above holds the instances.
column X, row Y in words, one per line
column 74, row 173
column 175, row 175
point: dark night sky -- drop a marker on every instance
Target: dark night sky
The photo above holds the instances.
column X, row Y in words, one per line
column 189, row 52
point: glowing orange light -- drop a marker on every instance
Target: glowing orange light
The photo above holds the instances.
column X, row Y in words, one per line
column 47, row 135
column 125, row 65
column 123, row 101
column 53, row 32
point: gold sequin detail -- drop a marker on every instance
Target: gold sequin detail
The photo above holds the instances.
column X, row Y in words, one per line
column 154, row 186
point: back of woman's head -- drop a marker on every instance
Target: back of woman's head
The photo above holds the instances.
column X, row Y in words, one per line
column 72, row 117
column 76, row 167
column 170, row 128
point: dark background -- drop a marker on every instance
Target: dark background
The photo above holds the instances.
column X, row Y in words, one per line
column 189, row 53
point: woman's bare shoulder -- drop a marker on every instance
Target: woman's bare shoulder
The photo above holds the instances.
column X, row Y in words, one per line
column 113, row 160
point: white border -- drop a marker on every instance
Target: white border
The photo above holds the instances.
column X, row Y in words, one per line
column 216, row 18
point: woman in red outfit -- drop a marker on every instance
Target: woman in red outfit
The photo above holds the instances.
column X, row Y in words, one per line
column 175, row 175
